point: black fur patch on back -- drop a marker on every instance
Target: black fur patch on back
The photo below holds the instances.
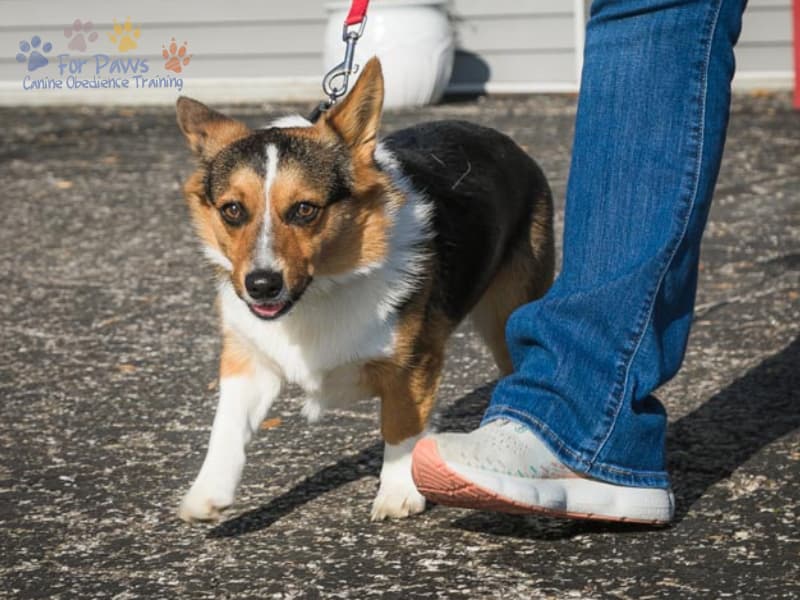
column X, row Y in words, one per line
column 484, row 189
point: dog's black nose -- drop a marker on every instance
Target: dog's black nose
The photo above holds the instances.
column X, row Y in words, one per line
column 263, row 285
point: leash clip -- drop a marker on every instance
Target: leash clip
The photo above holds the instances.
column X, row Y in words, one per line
column 335, row 82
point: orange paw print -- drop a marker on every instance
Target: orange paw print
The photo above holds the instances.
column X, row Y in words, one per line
column 175, row 56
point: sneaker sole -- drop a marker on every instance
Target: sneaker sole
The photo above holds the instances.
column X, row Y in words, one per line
column 574, row 498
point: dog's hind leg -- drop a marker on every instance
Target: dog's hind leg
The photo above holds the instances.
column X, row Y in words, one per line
column 524, row 276
column 246, row 391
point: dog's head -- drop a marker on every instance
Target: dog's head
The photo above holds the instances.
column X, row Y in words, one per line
column 277, row 207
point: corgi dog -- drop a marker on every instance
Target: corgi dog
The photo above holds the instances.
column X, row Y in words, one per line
column 344, row 263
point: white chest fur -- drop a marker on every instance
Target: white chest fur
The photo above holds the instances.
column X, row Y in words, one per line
column 327, row 329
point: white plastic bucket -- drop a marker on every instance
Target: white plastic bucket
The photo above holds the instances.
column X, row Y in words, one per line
column 412, row 38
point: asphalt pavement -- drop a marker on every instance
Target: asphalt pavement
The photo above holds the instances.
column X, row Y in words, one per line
column 108, row 351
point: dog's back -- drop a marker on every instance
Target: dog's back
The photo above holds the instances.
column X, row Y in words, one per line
column 492, row 221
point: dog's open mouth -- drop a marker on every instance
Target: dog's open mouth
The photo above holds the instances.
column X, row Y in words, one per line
column 270, row 311
column 267, row 311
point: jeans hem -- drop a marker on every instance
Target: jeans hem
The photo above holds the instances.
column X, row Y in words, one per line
column 575, row 460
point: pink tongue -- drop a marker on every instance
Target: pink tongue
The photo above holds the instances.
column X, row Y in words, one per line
column 268, row 310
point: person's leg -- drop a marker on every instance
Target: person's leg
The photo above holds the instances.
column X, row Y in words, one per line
column 650, row 129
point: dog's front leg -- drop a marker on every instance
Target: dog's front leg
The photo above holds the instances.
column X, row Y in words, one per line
column 407, row 399
column 246, row 391
column 397, row 496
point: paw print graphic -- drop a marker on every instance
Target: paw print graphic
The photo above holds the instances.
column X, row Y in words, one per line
column 124, row 36
column 36, row 59
column 78, row 34
column 176, row 57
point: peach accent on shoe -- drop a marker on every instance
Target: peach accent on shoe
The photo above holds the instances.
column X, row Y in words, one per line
column 440, row 484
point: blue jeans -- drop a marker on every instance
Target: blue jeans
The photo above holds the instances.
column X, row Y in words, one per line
column 649, row 134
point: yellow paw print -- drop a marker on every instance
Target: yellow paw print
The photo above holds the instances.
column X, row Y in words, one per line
column 124, row 36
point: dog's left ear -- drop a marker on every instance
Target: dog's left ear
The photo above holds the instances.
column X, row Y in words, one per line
column 206, row 130
column 357, row 119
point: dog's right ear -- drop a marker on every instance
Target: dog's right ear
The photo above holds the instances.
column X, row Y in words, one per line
column 357, row 118
column 206, row 130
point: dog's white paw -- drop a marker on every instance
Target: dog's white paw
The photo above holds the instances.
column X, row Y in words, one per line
column 312, row 409
column 203, row 503
column 397, row 501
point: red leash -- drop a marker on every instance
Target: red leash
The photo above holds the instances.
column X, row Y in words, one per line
column 358, row 12
column 335, row 82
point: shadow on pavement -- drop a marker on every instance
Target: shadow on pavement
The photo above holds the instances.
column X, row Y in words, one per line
column 703, row 447
column 464, row 415
column 349, row 469
column 710, row 443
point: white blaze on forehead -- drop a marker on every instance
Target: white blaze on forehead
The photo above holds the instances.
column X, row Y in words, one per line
column 264, row 256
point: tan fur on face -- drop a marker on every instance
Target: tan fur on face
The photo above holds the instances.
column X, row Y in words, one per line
column 347, row 235
column 351, row 233
column 239, row 243
column 236, row 243
column 294, row 245
column 200, row 209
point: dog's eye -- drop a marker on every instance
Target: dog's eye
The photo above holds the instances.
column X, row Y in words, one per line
column 303, row 213
column 233, row 213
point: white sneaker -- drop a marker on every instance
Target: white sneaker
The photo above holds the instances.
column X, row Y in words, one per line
column 504, row 467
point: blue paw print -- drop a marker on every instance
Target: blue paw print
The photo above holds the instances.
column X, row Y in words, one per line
column 36, row 60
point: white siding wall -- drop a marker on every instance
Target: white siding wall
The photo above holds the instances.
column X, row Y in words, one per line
column 266, row 49
column 521, row 45
column 764, row 52
column 242, row 49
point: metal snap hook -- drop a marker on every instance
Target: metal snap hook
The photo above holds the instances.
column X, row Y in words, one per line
column 336, row 81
